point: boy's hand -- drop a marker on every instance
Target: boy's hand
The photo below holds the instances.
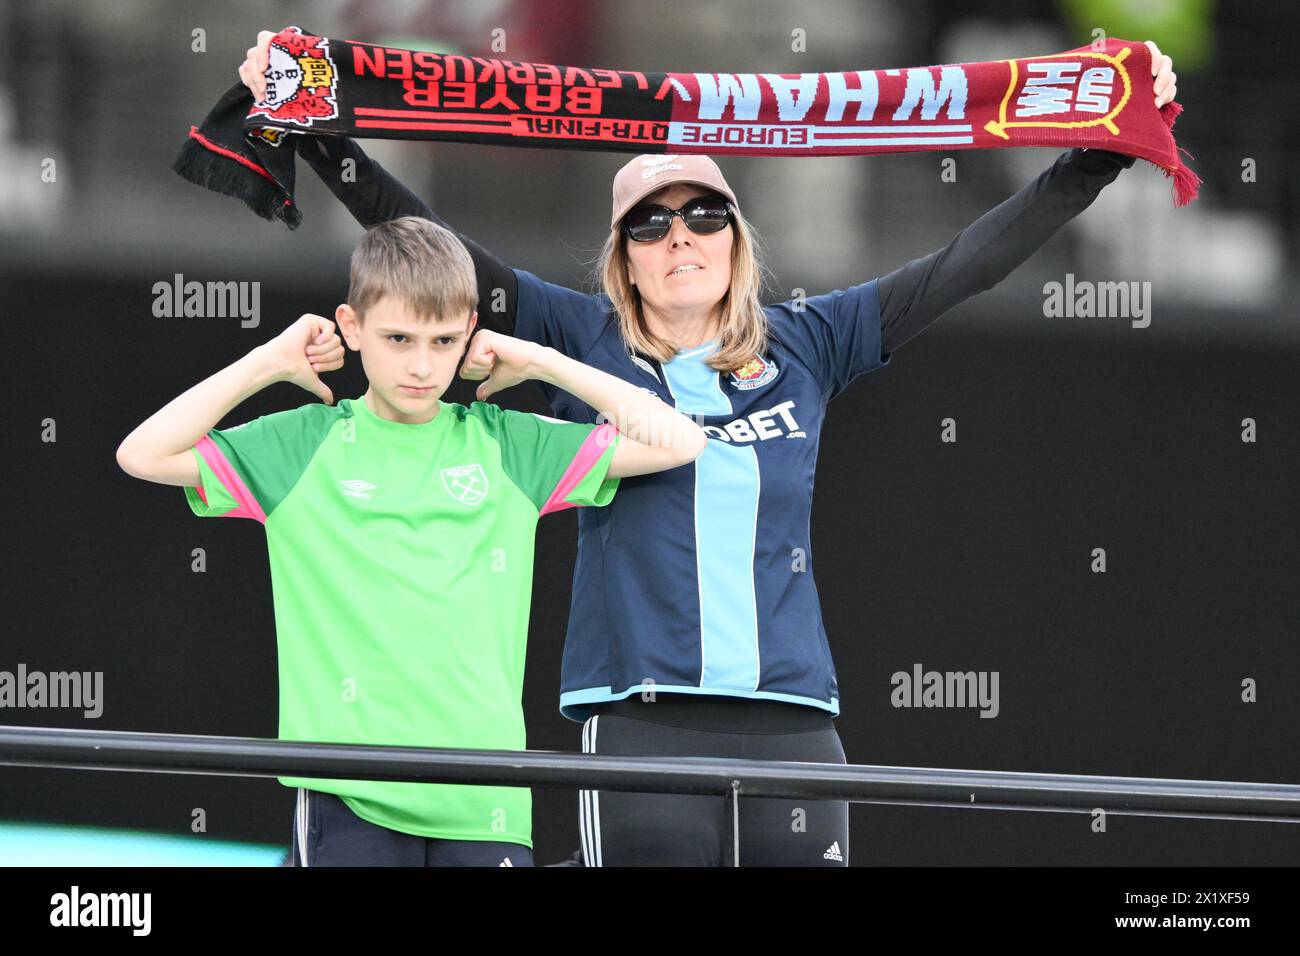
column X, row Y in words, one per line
column 254, row 66
column 305, row 349
column 502, row 360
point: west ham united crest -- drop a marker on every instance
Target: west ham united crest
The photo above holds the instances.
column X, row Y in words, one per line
column 300, row 80
column 466, row 483
column 757, row 371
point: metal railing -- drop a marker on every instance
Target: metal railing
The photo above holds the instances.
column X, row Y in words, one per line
column 908, row 786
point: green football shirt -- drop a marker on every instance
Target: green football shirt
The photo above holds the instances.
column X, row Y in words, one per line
column 401, row 564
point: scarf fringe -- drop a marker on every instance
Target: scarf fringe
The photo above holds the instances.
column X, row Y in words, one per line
column 206, row 167
column 1186, row 183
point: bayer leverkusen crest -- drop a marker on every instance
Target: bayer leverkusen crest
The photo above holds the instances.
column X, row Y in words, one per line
column 300, row 80
column 757, row 371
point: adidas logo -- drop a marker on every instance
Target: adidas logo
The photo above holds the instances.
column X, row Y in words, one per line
column 356, row 488
column 505, row 862
column 654, row 165
column 833, row 853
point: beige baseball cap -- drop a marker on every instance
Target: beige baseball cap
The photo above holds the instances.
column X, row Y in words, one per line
column 644, row 174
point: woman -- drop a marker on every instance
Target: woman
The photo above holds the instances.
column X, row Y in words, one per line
column 695, row 628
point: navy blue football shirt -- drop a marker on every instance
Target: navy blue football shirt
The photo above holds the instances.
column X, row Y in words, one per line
column 699, row 580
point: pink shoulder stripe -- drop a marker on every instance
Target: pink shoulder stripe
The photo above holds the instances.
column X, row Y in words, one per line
column 597, row 444
column 225, row 471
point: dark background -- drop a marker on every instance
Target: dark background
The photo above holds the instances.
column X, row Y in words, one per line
column 1074, row 433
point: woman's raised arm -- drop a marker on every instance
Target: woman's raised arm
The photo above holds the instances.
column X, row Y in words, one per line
column 986, row 251
column 373, row 195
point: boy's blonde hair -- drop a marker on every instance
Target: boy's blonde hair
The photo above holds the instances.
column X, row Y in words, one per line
column 743, row 331
column 417, row 262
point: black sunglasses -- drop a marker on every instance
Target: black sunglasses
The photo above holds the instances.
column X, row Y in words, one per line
column 703, row 215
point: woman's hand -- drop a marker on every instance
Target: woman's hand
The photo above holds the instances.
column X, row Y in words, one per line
column 304, row 350
column 1162, row 68
column 252, row 70
column 502, row 360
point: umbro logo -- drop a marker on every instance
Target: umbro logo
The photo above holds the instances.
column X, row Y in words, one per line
column 356, row 488
column 833, row 853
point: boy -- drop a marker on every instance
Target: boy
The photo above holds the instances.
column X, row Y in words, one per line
column 422, row 514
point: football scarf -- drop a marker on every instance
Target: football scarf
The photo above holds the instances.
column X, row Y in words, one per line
column 1097, row 96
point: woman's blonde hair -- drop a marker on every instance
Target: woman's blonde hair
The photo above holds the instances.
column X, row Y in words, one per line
column 743, row 331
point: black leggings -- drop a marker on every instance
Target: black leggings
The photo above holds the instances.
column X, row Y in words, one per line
column 327, row 833
column 620, row 828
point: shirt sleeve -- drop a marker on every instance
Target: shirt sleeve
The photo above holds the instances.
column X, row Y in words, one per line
column 836, row 335
column 247, row 470
column 564, row 319
column 557, row 464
